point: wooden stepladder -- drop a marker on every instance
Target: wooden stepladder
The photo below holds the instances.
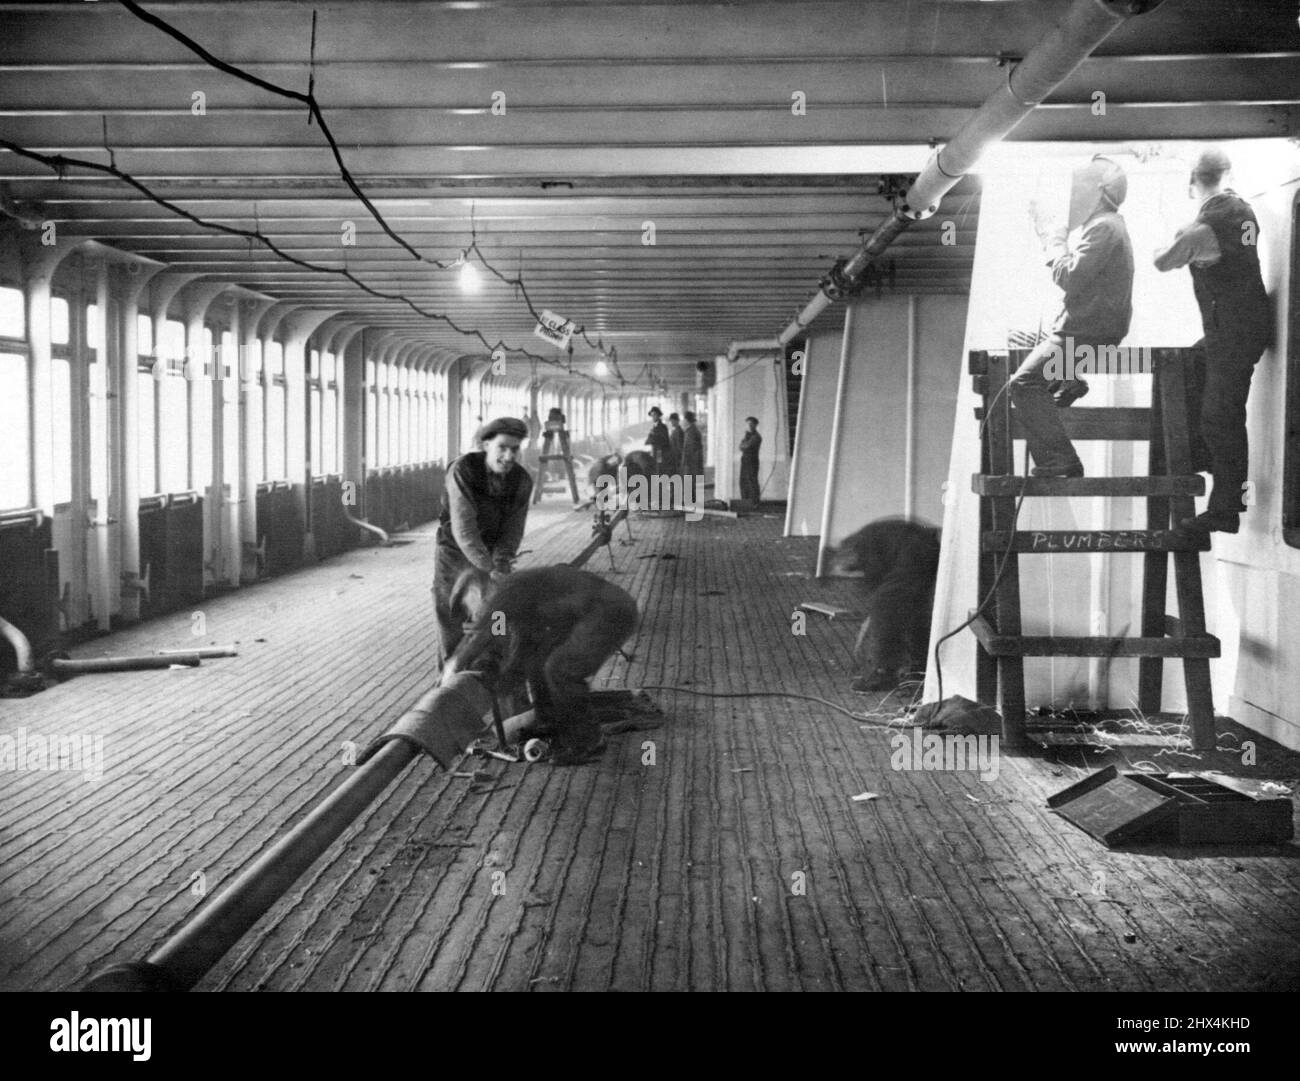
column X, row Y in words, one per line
column 1168, row 490
column 555, row 436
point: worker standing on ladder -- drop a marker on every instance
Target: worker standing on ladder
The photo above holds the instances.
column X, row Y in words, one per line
column 484, row 510
column 1091, row 259
column 1221, row 249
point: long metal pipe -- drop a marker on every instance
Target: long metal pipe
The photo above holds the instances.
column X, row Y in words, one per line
column 435, row 724
column 1085, row 25
column 63, row 667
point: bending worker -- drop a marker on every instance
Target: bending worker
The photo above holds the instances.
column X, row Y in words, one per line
column 484, row 510
column 1221, row 249
column 1091, row 259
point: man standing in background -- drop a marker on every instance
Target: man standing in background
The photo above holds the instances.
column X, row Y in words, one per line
column 692, row 461
column 750, row 444
column 658, row 442
column 1221, row 249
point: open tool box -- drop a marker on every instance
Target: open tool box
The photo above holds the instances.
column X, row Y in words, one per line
column 1172, row 808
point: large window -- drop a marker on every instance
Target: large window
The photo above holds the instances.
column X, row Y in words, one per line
column 255, row 405
column 15, row 449
column 228, row 358
column 275, row 412
column 15, row 433
column 198, row 377
column 173, row 410
column 13, row 319
column 148, row 473
column 323, row 401
column 372, row 416
column 59, row 430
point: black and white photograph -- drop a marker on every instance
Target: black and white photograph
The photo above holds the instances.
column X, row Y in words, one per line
column 616, row 496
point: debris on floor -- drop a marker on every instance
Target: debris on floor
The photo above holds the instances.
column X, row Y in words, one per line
column 1171, row 808
column 958, row 714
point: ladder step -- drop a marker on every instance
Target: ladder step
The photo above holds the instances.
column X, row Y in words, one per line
column 1042, row 542
column 990, row 485
column 1119, row 423
column 1005, row 645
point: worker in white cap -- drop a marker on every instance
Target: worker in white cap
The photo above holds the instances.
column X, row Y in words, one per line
column 484, row 511
column 1221, row 249
column 1091, row 260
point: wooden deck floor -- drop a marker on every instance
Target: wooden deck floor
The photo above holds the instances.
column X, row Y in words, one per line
column 682, row 874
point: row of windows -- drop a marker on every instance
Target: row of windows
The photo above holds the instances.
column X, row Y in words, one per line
column 182, row 429
column 177, row 413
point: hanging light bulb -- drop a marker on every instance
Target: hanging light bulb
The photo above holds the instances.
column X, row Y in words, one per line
column 469, row 279
column 601, row 367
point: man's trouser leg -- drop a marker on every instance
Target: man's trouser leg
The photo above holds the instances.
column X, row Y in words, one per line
column 1228, row 371
column 565, row 697
column 447, row 566
column 1045, row 434
column 749, row 481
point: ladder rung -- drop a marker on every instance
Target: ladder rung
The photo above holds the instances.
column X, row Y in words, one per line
column 1044, row 542
column 1005, row 645
column 1120, row 423
column 1003, row 485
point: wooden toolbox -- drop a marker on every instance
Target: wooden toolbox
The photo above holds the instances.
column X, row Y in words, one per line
column 1171, row 808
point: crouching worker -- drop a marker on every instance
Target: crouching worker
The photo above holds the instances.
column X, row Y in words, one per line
column 551, row 628
column 484, row 510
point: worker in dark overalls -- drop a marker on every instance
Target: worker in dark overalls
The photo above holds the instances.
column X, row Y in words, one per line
column 551, row 628
column 484, row 510
column 1221, row 249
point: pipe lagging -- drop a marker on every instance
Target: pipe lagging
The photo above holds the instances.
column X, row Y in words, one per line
column 22, row 648
column 1085, row 25
column 183, row 959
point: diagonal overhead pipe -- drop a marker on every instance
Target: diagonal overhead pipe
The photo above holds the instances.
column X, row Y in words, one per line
column 1085, row 25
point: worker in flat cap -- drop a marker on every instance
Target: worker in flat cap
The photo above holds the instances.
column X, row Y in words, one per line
column 1221, row 249
column 1091, row 261
column 484, row 510
column 658, row 440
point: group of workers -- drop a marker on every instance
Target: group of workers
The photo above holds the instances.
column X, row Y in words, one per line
column 1091, row 259
column 487, row 492
column 676, row 450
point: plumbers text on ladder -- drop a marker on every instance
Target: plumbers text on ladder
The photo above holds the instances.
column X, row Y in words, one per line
column 1168, row 490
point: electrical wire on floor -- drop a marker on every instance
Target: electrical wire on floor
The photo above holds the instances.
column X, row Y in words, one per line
column 1006, row 555
column 860, row 718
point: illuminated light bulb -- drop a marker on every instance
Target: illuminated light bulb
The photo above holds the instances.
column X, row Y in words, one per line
column 601, row 368
column 469, row 280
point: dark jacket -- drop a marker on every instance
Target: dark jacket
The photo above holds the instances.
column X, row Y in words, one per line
column 658, row 441
column 692, row 451
column 1096, row 273
column 1230, row 292
column 482, row 517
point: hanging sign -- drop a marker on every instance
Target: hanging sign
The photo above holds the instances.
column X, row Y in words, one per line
column 555, row 329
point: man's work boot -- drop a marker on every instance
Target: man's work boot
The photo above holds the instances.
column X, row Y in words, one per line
column 570, row 754
column 1209, row 522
